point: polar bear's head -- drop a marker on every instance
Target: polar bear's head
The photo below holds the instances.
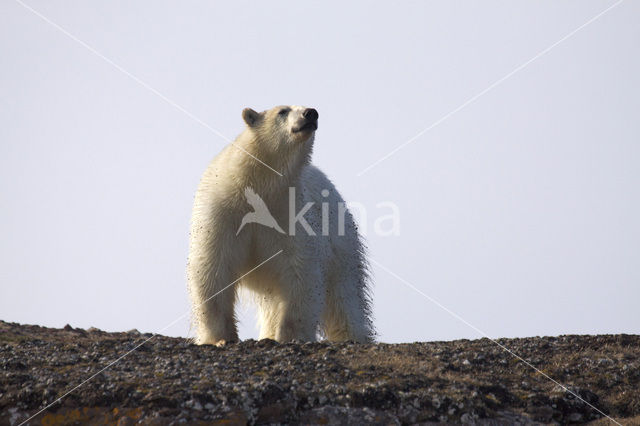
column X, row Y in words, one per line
column 282, row 136
column 284, row 126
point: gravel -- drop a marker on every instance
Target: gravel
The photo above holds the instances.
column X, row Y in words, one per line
column 171, row 381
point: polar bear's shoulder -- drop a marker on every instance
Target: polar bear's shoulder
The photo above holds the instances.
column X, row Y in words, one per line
column 319, row 186
column 315, row 180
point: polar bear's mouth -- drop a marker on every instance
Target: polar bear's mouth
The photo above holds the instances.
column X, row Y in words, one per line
column 308, row 126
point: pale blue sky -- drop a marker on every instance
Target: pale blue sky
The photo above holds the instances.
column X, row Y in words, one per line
column 519, row 212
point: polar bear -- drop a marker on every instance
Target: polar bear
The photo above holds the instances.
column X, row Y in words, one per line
column 268, row 221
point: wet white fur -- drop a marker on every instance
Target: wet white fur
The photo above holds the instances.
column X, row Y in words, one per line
column 317, row 286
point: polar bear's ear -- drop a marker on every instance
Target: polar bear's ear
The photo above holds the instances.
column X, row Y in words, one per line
column 251, row 117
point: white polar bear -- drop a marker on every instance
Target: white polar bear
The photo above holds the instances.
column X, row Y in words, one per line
column 315, row 280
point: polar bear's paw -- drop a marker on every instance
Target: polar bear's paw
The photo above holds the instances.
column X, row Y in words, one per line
column 216, row 342
column 222, row 342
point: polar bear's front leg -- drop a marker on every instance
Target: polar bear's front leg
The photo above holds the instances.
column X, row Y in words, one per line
column 217, row 323
column 215, row 261
column 301, row 304
column 296, row 324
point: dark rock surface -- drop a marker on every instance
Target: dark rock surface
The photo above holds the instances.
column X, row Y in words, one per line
column 171, row 381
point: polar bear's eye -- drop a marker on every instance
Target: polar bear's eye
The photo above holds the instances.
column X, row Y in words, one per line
column 283, row 112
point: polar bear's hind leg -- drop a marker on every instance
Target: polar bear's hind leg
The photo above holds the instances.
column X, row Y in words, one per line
column 347, row 314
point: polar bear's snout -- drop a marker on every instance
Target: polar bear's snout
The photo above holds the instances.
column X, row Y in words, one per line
column 308, row 121
column 310, row 114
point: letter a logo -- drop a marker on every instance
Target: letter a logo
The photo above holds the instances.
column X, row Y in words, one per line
column 260, row 213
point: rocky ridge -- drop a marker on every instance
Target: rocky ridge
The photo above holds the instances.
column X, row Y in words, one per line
column 171, row 381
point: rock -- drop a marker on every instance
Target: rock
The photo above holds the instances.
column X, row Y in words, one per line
column 574, row 417
column 171, row 381
column 541, row 414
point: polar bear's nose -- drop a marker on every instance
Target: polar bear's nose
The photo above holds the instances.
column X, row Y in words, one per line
column 310, row 114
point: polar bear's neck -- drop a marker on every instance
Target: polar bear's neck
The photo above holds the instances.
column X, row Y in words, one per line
column 263, row 163
column 259, row 163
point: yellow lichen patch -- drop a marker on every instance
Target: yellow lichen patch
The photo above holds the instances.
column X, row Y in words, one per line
column 134, row 413
column 233, row 418
column 90, row 415
column 68, row 417
column 491, row 397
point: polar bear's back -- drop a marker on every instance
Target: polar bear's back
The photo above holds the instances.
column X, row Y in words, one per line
column 343, row 233
column 319, row 189
column 347, row 278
